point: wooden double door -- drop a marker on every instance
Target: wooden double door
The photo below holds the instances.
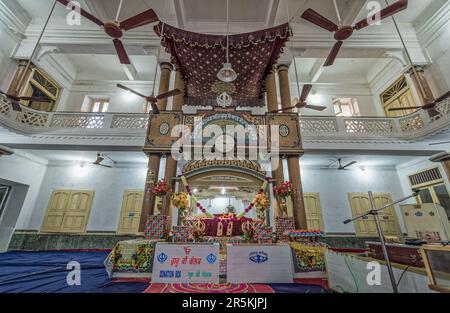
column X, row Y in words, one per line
column 68, row 211
column 360, row 204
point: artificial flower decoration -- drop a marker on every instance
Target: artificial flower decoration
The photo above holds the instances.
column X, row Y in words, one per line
column 285, row 189
column 161, row 188
column 261, row 202
column 181, row 200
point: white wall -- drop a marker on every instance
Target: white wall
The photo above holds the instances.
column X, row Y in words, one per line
column 334, row 187
column 26, row 170
column 108, row 184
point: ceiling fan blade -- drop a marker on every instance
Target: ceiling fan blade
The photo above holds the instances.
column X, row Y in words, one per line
column 319, row 20
column 406, row 108
column 83, row 13
column 305, row 92
column 3, row 93
column 121, row 52
column 333, row 54
column 130, row 90
column 169, row 94
column 439, row 143
column 315, row 107
column 35, row 99
column 443, row 97
column 139, row 20
column 394, row 8
column 349, row 164
column 282, row 110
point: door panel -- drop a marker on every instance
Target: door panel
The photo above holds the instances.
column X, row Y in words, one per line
column 68, row 211
column 313, row 210
column 55, row 211
column 131, row 212
column 77, row 213
column 360, row 204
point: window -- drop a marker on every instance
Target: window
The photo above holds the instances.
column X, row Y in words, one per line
column 346, row 107
column 100, row 105
column 4, row 193
column 398, row 95
column 432, row 188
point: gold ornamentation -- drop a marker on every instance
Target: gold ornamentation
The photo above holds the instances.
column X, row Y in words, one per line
column 219, row 87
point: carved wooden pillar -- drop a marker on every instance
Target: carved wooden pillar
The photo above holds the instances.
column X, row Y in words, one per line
column 149, row 198
column 285, row 90
column 171, row 163
column 272, row 105
column 154, row 160
column 178, row 101
column 164, row 84
column 299, row 204
column 444, row 159
column 293, row 161
column 21, row 78
column 423, row 89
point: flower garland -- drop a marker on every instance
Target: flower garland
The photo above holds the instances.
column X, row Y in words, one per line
column 161, row 188
column 256, row 200
column 194, row 198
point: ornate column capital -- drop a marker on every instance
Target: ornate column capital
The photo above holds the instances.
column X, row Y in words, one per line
column 166, row 66
column 282, row 67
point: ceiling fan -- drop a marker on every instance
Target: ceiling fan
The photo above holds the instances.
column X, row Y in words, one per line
column 15, row 100
column 340, row 166
column 115, row 29
column 153, row 99
column 301, row 103
column 427, row 106
column 101, row 157
column 343, row 32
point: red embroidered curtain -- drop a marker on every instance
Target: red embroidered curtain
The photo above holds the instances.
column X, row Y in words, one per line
column 199, row 57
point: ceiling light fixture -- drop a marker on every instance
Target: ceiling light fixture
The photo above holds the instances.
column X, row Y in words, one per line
column 227, row 74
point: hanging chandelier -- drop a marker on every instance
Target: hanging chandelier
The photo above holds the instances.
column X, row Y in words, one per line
column 227, row 74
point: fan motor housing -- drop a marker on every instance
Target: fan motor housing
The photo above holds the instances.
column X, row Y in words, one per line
column 343, row 33
column 113, row 30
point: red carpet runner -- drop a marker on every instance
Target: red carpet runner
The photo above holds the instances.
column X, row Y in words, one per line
column 208, row 288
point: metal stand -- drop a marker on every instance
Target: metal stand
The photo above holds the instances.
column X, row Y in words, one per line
column 375, row 212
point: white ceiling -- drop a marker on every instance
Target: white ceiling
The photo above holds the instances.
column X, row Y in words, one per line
column 88, row 156
column 210, row 16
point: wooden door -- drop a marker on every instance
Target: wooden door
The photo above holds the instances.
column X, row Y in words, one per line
column 130, row 215
column 68, row 211
column 77, row 212
column 55, row 211
column 313, row 210
column 360, row 204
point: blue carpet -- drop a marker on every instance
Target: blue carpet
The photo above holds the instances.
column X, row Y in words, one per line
column 46, row 272
column 297, row 288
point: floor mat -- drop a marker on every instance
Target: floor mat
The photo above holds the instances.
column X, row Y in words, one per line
column 208, row 288
column 46, row 272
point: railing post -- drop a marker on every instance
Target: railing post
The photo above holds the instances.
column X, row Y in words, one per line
column 107, row 120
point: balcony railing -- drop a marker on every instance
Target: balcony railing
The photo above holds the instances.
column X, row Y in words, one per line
column 412, row 127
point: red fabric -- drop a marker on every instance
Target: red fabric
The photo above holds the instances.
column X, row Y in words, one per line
column 322, row 282
column 199, row 57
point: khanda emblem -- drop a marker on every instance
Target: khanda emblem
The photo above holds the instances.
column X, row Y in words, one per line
column 259, row 257
column 224, row 100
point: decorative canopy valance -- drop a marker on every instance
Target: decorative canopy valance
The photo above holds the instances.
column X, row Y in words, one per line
column 199, row 57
